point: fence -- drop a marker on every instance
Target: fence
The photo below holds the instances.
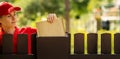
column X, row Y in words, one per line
column 86, row 46
column 6, row 51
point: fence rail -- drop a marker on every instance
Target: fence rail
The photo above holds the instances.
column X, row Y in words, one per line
column 97, row 46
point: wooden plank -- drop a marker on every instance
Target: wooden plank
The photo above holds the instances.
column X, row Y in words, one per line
column 34, row 45
column 79, row 43
column 7, row 44
column 22, row 44
column 117, row 43
column 0, row 49
column 106, row 43
column 53, row 47
column 92, row 43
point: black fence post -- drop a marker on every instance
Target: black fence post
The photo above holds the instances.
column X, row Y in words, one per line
column 22, row 44
column 79, row 43
column 53, row 47
column 7, row 46
column 34, row 43
column 92, row 43
column 117, row 43
column 106, row 43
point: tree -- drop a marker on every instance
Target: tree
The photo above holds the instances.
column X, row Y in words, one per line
column 43, row 6
column 79, row 6
column 31, row 8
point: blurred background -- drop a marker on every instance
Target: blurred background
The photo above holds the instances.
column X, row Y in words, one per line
column 79, row 15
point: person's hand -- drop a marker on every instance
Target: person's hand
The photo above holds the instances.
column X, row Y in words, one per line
column 51, row 18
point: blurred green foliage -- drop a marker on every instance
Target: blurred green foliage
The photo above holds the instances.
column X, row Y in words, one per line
column 33, row 10
column 79, row 6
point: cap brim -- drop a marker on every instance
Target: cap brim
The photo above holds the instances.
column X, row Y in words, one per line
column 14, row 9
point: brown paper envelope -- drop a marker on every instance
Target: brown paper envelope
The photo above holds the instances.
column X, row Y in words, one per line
column 45, row 28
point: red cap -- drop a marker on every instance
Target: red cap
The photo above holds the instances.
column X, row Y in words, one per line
column 6, row 8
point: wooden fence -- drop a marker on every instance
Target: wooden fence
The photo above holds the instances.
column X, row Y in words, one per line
column 104, row 46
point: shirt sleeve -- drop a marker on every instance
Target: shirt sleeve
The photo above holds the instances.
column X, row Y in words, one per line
column 28, row 30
